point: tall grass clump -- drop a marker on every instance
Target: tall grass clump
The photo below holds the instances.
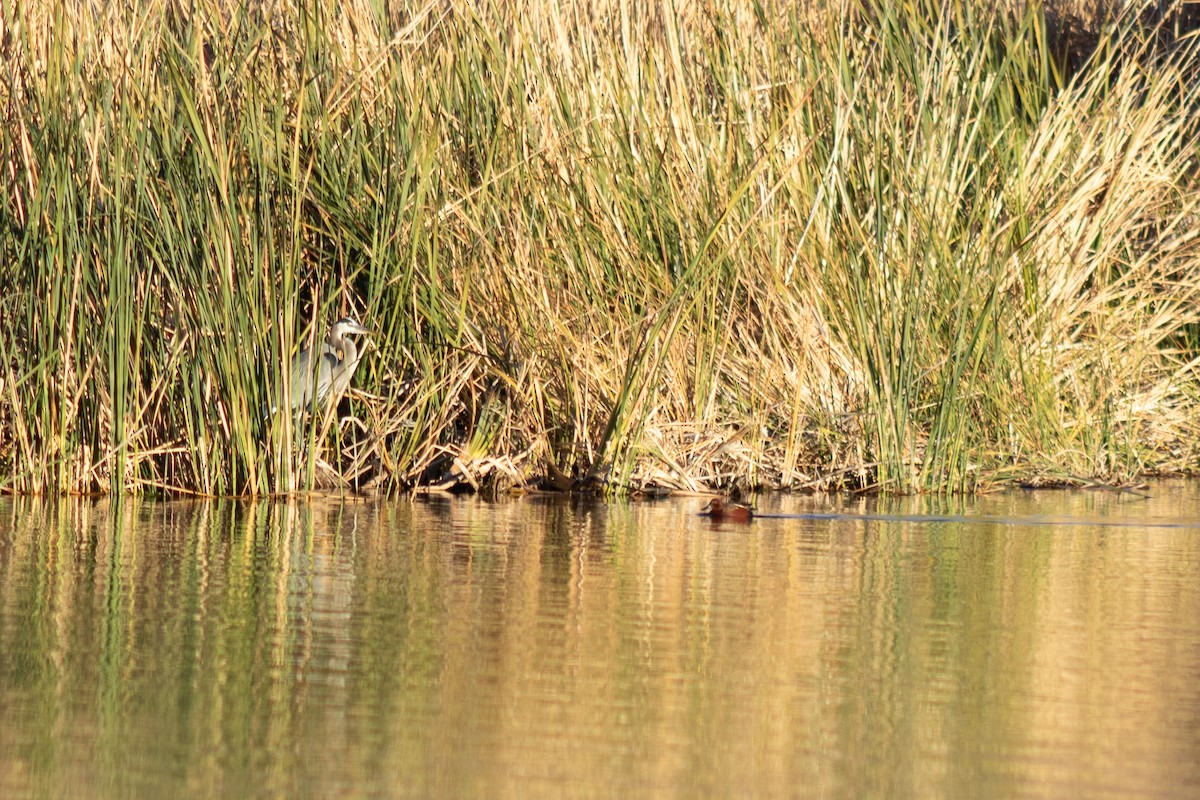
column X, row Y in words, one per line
column 924, row 247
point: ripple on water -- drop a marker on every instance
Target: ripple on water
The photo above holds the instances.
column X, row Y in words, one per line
column 549, row 648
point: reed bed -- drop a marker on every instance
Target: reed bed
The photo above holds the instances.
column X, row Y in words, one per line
column 700, row 246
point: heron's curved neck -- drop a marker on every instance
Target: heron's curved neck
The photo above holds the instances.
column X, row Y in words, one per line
column 349, row 351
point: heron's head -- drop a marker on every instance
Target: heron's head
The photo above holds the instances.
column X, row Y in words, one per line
column 347, row 326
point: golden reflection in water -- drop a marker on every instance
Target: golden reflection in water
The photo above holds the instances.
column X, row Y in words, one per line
column 550, row 648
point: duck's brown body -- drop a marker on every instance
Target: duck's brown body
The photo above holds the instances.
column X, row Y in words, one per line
column 718, row 509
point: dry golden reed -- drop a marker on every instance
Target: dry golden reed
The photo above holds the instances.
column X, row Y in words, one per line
column 608, row 245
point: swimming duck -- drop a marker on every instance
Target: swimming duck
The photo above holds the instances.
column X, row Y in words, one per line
column 718, row 509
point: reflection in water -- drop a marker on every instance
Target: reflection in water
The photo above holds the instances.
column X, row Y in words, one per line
column 538, row 647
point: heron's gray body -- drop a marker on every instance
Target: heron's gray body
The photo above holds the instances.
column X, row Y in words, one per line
column 312, row 384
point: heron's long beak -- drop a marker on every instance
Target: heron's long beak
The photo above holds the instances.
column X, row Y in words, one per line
column 354, row 327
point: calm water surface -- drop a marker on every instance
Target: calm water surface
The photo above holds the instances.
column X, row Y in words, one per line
column 555, row 648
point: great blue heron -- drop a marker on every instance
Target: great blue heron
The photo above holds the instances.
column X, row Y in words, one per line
column 312, row 384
